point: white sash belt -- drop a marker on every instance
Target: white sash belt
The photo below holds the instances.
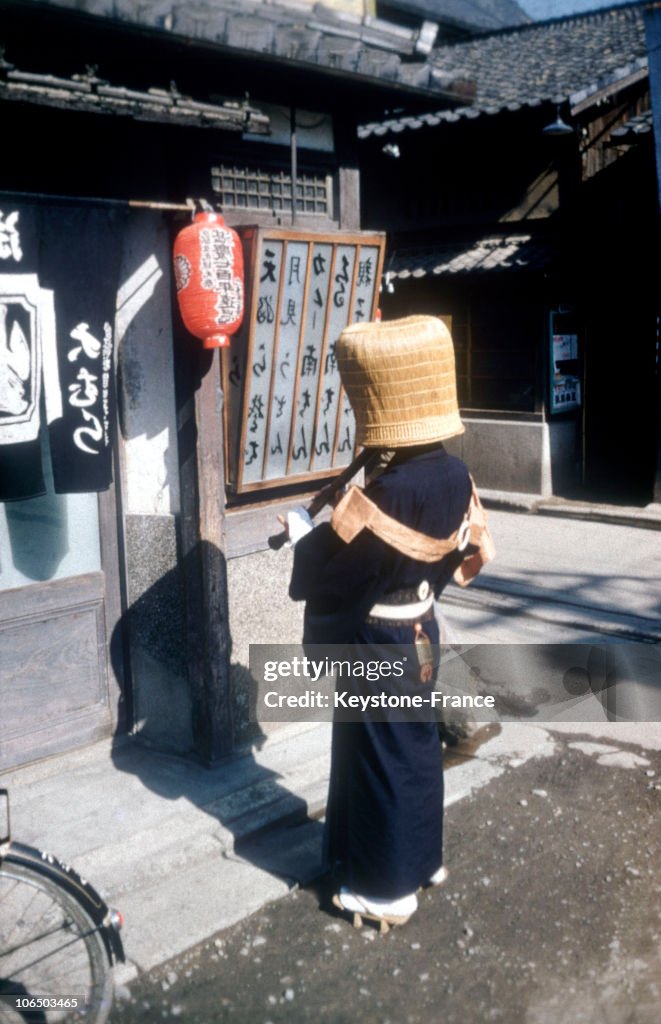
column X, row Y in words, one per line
column 402, row 611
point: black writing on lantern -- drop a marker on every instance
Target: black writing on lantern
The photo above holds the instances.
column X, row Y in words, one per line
column 319, row 264
column 285, row 366
column 229, row 301
column 268, row 266
column 217, row 273
column 360, row 312
column 280, row 402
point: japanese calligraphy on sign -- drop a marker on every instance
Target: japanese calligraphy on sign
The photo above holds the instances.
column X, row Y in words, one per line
column 90, row 388
column 288, row 417
column 10, row 241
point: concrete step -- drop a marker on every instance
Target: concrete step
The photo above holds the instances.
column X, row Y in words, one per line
column 118, row 810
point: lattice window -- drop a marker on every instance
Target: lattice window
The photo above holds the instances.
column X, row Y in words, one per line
column 253, row 189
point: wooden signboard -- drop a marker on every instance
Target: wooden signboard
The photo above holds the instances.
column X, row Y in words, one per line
column 287, row 417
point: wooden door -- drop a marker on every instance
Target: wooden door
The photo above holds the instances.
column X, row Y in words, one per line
column 59, row 605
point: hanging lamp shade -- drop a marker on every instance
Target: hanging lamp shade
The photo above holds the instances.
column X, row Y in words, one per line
column 208, row 270
column 558, row 127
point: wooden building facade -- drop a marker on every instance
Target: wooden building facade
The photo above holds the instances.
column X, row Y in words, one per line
column 528, row 218
column 141, row 474
column 114, row 579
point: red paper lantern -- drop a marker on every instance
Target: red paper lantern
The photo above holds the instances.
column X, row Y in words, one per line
column 208, row 269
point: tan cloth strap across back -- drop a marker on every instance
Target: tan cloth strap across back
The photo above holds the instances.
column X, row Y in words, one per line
column 356, row 512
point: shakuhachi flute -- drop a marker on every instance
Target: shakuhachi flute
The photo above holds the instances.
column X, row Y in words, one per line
column 368, row 458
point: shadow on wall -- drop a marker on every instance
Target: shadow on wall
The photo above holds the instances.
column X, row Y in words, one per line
column 242, row 794
column 159, row 644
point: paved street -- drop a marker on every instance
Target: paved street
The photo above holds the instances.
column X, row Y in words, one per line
column 551, row 915
column 559, row 580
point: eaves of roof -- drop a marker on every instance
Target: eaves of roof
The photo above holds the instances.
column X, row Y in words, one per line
column 480, row 15
column 289, row 32
column 566, row 59
column 91, row 95
column 493, row 253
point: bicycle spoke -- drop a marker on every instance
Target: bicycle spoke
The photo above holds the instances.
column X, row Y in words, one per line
column 49, row 947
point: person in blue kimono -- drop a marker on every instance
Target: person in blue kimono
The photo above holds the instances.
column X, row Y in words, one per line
column 368, row 578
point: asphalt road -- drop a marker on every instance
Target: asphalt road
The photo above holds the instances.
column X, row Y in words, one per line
column 550, row 916
column 561, row 580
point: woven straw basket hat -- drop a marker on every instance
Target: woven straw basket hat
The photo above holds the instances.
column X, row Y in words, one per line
column 400, row 379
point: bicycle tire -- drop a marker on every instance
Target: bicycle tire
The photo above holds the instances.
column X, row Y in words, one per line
column 51, row 949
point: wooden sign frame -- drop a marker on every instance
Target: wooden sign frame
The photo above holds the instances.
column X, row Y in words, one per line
column 287, row 418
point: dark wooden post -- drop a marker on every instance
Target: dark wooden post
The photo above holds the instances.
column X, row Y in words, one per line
column 347, row 196
column 293, row 146
column 205, row 568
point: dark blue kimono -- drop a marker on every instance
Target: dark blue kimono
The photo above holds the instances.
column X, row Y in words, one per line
column 385, row 808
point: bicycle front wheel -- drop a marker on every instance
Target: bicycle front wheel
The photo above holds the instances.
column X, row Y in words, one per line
column 53, row 963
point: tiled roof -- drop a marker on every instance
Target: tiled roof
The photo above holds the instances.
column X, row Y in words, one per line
column 475, row 14
column 547, row 61
column 289, row 30
column 503, row 252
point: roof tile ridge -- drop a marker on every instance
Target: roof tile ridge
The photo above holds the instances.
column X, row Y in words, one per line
column 600, row 14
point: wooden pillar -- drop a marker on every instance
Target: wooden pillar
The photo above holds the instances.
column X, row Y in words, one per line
column 347, row 195
column 201, row 438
